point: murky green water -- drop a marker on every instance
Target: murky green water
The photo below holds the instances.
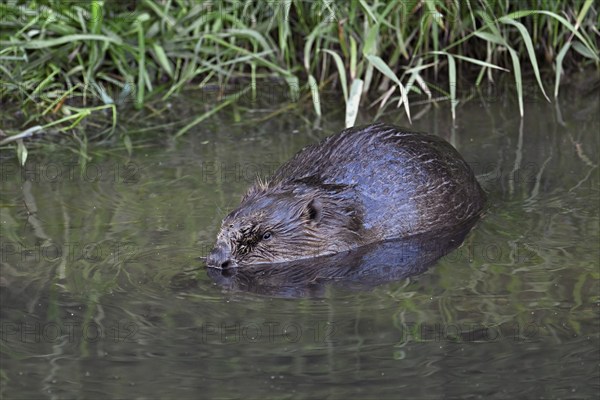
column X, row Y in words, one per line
column 98, row 264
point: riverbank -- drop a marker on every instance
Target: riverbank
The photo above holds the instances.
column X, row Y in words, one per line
column 69, row 62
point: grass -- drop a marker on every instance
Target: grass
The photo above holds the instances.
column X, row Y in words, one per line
column 63, row 61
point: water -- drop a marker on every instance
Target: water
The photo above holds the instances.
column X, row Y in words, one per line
column 103, row 294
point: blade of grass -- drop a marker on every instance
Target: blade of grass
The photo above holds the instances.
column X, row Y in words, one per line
column 581, row 15
column 497, row 39
column 584, row 51
column 251, row 34
column 164, row 16
column 518, row 80
column 141, row 60
column 559, row 66
column 492, row 38
column 308, row 45
column 45, row 43
column 479, row 62
column 452, row 80
column 367, row 9
column 529, row 47
column 314, row 91
column 228, row 100
column 162, row 59
column 353, row 57
column 341, row 71
column 294, row 86
column 562, row 20
column 21, row 152
column 353, row 102
column 378, row 63
column 24, row 134
column 241, row 50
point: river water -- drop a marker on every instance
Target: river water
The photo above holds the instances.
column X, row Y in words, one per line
column 104, row 293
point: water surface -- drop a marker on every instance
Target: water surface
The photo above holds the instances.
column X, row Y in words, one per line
column 103, row 294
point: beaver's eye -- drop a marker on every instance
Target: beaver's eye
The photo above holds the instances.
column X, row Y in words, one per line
column 266, row 236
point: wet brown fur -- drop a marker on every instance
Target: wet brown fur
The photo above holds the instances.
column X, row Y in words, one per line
column 363, row 185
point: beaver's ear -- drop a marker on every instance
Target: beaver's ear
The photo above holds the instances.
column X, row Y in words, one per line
column 313, row 212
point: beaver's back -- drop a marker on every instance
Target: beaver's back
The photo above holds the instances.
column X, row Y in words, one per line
column 403, row 182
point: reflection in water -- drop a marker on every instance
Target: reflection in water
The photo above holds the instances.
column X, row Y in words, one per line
column 361, row 268
column 86, row 310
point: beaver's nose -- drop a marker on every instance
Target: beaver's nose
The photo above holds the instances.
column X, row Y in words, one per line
column 219, row 257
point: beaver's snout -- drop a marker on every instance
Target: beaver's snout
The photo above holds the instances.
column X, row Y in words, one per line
column 220, row 257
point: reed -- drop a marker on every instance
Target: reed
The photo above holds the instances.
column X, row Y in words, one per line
column 62, row 61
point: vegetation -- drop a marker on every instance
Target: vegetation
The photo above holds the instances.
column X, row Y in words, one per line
column 62, row 61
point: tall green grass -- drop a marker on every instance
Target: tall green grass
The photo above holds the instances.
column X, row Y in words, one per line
column 62, row 61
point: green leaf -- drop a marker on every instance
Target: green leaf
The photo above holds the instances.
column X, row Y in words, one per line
column 479, row 62
column 518, row 80
column 21, row 152
column 106, row 99
column 451, row 80
column 22, row 135
column 584, row 9
column 341, row 70
column 559, row 61
column 42, row 44
column 308, row 45
column 529, row 47
column 490, row 37
column 370, row 44
column 562, row 20
column 127, row 143
column 497, row 39
column 294, row 86
column 452, row 83
column 314, row 92
column 143, row 17
column 366, row 7
column 353, row 57
column 166, row 18
column 584, row 51
column 162, row 59
column 415, row 76
column 489, row 23
column 378, row 63
column 353, row 102
column 252, row 34
column 259, row 58
column 141, row 60
column 435, row 14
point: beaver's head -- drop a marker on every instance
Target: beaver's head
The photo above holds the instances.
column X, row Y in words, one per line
column 287, row 223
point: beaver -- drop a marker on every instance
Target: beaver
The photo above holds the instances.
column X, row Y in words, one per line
column 363, row 185
column 362, row 268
